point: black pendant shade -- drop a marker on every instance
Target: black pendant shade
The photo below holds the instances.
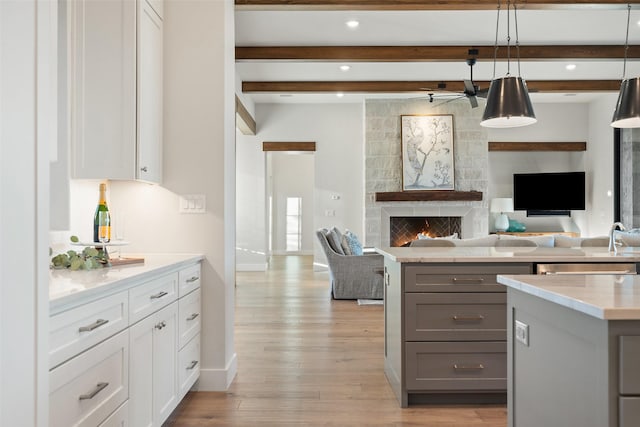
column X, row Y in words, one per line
column 627, row 114
column 508, row 104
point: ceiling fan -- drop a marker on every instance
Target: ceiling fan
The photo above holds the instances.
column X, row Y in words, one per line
column 471, row 90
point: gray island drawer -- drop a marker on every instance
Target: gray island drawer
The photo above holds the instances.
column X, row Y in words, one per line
column 455, row 317
column 463, row 277
column 629, row 375
column 456, row 366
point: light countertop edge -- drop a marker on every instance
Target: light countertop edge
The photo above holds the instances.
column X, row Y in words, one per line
column 606, row 297
column 68, row 289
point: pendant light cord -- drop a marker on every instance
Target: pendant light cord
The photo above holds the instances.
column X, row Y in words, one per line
column 508, row 39
column 515, row 18
column 626, row 43
column 495, row 45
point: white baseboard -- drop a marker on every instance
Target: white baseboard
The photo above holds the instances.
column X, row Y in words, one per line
column 252, row 267
column 218, row 379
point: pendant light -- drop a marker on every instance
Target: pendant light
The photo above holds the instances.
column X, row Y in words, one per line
column 627, row 114
column 508, row 103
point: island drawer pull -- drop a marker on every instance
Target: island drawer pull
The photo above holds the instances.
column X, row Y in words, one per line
column 92, row 393
column 477, row 367
column 193, row 365
column 476, row 281
column 192, row 279
column 476, row 318
column 159, row 295
column 193, row 316
column 93, row 326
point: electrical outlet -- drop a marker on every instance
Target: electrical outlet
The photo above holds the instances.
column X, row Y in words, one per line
column 522, row 332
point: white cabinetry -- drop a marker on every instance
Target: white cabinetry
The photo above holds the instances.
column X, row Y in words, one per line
column 129, row 357
column 153, row 379
column 116, row 89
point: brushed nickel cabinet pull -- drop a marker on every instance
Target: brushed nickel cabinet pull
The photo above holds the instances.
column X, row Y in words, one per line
column 159, row 295
column 471, row 281
column 193, row 316
column 193, row 365
column 93, row 326
column 144, row 169
column 92, row 393
column 476, row 318
column 477, row 367
column 192, row 279
column 161, row 325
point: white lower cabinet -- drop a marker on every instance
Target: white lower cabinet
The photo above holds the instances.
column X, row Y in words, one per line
column 126, row 359
column 153, row 379
column 85, row 390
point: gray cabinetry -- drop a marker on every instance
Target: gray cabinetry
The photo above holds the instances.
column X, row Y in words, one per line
column 451, row 343
column 629, row 381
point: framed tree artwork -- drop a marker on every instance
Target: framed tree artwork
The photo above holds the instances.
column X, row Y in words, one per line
column 427, row 152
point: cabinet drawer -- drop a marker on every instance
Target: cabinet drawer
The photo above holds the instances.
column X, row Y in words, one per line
column 152, row 296
column 189, row 317
column 629, row 375
column 188, row 365
column 120, row 418
column 455, row 317
column 629, row 412
column 189, row 279
column 456, row 366
column 73, row 331
column 459, row 277
column 85, row 390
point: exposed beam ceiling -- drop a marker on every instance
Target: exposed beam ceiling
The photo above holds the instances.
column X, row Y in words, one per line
column 427, row 53
column 422, row 86
column 417, row 4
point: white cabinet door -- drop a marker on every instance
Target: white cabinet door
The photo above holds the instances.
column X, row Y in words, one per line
column 153, row 386
column 103, row 88
column 165, row 362
column 149, row 93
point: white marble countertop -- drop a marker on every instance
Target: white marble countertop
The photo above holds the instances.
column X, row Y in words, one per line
column 608, row 297
column 68, row 287
column 505, row 254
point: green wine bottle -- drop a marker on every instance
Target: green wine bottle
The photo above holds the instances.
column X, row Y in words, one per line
column 102, row 222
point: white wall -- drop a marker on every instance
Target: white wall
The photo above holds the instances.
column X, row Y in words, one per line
column 556, row 123
column 199, row 158
column 599, row 165
column 337, row 130
column 293, row 176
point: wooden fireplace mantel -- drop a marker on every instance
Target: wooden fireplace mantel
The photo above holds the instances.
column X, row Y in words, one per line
column 429, row 196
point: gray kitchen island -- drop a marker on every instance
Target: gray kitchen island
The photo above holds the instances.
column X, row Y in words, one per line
column 573, row 350
column 446, row 316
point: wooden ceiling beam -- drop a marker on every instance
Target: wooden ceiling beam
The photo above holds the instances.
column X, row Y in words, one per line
column 420, row 4
column 420, row 86
column 428, row 53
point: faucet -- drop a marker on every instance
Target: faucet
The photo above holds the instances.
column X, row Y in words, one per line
column 612, row 242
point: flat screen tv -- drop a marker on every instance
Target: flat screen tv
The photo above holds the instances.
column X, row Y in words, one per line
column 549, row 192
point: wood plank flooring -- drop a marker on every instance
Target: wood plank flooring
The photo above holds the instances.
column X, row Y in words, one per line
column 307, row 360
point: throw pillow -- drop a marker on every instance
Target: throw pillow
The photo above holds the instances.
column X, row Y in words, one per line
column 354, row 244
column 478, row 241
column 541, row 241
column 628, row 238
column 580, row 242
column 345, row 244
column 334, row 238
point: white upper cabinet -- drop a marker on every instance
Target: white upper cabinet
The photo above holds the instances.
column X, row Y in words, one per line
column 115, row 85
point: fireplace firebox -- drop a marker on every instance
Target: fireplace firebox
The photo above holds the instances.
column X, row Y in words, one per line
column 405, row 229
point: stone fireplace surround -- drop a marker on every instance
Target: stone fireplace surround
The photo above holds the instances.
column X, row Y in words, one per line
column 383, row 167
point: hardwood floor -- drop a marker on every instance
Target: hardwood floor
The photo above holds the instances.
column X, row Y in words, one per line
column 307, row 360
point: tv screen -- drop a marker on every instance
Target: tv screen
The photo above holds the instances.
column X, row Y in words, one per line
column 560, row 191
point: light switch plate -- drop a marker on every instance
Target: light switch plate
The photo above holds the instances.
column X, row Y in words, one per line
column 192, row 203
column 522, row 332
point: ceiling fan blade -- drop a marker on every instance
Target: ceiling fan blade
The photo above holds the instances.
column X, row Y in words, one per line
column 469, row 88
column 473, row 101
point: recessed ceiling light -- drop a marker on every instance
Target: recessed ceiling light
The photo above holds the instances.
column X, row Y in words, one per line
column 345, row 67
column 285, row 95
column 570, row 94
column 570, row 67
column 353, row 24
column 339, row 94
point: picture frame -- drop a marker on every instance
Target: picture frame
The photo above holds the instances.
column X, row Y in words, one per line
column 427, row 152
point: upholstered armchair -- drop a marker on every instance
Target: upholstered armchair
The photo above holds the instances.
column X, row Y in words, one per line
column 352, row 276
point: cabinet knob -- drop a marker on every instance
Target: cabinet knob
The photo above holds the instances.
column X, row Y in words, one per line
column 161, row 325
column 144, row 169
